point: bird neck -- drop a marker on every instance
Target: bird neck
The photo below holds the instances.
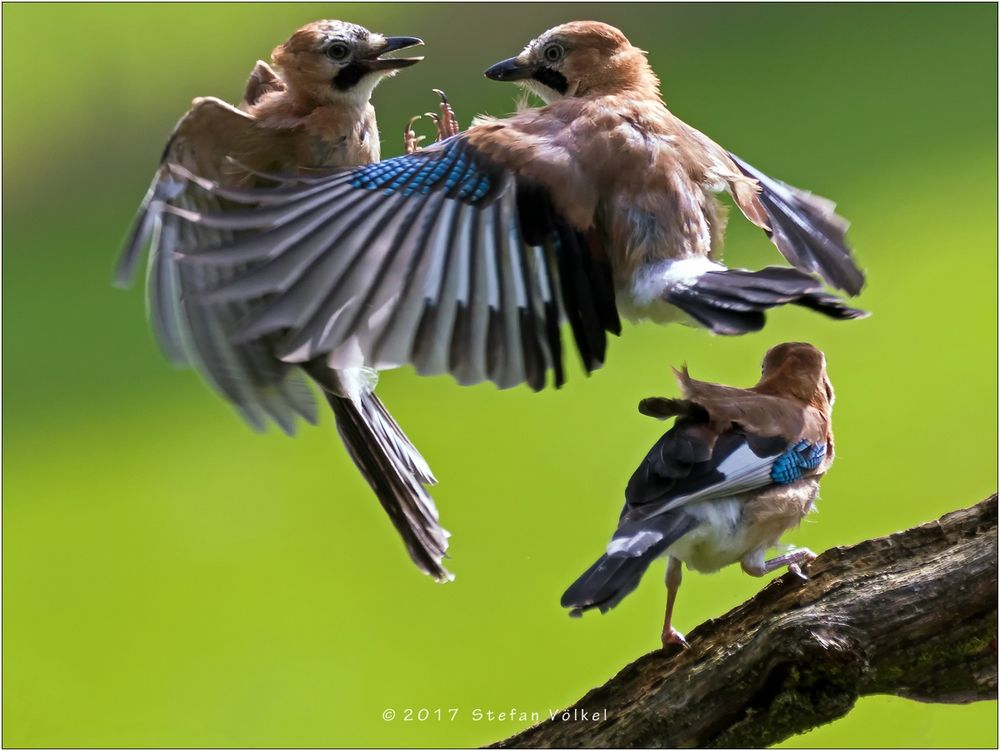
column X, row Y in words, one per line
column 801, row 387
column 626, row 75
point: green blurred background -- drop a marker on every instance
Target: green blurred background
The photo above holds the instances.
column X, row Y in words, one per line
column 171, row 578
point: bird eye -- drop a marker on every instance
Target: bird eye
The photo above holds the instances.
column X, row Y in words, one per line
column 553, row 53
column 338, row 51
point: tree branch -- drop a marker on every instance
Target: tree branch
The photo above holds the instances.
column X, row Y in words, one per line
column 913, row 614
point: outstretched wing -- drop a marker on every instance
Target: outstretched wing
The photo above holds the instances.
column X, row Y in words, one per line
column 443, row 259
column 804, row 227
column 259, row 385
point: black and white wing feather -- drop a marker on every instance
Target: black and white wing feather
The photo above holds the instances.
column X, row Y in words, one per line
column 686, row 466
column 441, row 259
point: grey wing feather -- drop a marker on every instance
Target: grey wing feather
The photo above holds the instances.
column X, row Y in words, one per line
column 807, row 231
column 432, row 277
column 260, row 386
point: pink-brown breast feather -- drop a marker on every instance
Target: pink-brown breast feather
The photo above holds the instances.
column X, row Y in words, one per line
column 629, row 167
column 621, row 165
column 662, row 206
column 540, row 145
column 768, row 514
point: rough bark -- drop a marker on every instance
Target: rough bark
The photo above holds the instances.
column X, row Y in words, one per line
column 913, row 614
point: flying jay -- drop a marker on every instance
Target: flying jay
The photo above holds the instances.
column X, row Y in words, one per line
column 310, row 116
column 466, row 257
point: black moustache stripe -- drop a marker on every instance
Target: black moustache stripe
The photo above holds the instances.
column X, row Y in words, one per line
column 552, row 78
column 349, row 76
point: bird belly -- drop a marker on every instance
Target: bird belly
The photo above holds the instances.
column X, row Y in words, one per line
column 719, row 539
column 656, row 311
column 641, row 298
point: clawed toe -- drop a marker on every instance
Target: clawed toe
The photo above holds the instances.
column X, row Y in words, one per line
column 673, row 637
column 447, row 124
column 804, row 556
column 411, row 141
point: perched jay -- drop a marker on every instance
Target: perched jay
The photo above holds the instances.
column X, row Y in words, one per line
column 314, row 115
column 465, row 257
column 738, row 468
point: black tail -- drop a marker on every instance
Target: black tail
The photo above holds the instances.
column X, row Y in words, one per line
column 734, row 301
column 806, row 230
column 606, row 583
column 397, row 473
column 616, row 573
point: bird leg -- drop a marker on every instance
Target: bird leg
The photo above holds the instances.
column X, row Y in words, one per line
column 755, row 565
column 670, row 634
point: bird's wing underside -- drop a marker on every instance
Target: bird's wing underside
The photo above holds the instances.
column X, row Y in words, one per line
column 804, row 227
column 259, row 385
column 443, row 259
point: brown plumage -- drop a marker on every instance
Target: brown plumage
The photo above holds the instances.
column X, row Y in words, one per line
column 467, row 256
column 739, row 468
column 613, row 155
column 464, row 257
column 794, row 376
column 310, row 116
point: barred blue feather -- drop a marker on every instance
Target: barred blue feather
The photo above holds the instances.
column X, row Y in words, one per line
column 461, row 176
column 803, row 456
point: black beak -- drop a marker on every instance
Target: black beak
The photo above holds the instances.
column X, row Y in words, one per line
column 510, row 70
column 376, row 62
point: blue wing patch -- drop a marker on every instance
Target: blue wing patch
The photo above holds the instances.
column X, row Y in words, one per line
column 790, row 466
column 452, row 168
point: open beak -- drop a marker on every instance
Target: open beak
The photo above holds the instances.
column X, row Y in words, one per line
column 510, row 69
column 377, row 62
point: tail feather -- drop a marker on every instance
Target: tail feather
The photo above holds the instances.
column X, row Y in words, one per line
column 397, row 473
column 632, row 550
column 733, row 301
column 807, row 231
column 606, row 583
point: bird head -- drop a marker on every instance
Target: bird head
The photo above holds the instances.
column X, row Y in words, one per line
column 581, row 58
column 797, row 369
column 331, row 61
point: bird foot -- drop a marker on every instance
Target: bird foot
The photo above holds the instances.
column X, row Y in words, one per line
column 411, row 141
column 804, row 557
column 445, row 124
column 673, row 637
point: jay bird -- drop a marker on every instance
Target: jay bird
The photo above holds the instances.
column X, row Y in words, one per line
column 738, row 468
column 314, row 115
column 466, row 256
